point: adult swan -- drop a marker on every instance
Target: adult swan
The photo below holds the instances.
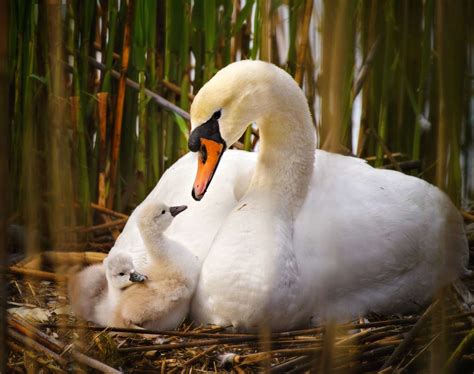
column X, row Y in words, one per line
column 316, row 234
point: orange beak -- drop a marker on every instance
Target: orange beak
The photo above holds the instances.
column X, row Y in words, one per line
column 209, row 157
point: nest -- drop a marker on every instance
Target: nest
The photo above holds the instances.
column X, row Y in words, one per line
column 45, row 337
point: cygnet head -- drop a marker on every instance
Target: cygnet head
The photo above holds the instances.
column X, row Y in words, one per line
column 120, row 271
column 156, row 217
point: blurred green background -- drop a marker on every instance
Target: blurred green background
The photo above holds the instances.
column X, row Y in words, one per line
column 99, row 90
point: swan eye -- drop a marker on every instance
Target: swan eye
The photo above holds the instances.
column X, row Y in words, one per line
column 163, row 211
column 122, row 274
column 216, row 115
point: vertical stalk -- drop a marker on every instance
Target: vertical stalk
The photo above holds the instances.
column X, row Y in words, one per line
column 140, row 43
column 154, row 151
column 450, row 38
column 304, row 35
column 386, row 81
column 338, row 59
column 257, row 31
column 101, row 186
column 80, row 144
column 109, row 55
column 4, row 176
column 425, row 68
column 119, row 105
column 210, row 17
column 266, row 30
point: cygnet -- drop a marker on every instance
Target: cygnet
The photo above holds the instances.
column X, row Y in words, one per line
column 163, row 301
column 95, row 291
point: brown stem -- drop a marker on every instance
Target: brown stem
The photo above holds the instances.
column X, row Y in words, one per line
column 57, row 346
column 110, row 212
column 304, row 34
column 119, row 105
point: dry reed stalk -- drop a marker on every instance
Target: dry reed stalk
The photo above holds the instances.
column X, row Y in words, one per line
column 408, row 340
column 57, row 346
column 119, row 105
column 365, row 68
column 102, row 109
column 107, row 225
column 176, row 89
column 166, row 104
column 467, row 216
column 31, row 343
column 110, row 212
column 46, row 275
column 303, row 42
column 196, row 343
column 72, row 258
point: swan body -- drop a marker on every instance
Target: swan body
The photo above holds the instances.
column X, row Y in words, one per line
column 162, row 302
column 95, row 291
column 316, row 234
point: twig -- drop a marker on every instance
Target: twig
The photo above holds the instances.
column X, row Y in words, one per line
column 198, row 356
column 114, row 231
column 108, row 211
column 362, row 74
column 102, row 226
column 193, row 343
column 28, row 342
column 165, row 104
column 140, row 331
column 404, row 165
column 403, row 346
column 394, row 154
column 420, row 353
column 48, row 362
column 38, row 274
column 53, row 344
column 285, row 366
column 392, row 159
column 176, row 89
column 460, row 349
column 467, row 216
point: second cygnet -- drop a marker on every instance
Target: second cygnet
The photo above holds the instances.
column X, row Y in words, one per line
column 95, row 291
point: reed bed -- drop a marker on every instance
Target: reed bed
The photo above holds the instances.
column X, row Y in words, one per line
column 99, row 93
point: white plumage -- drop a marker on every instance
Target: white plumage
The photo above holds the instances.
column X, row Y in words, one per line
column 316, row 234
column 313, row 234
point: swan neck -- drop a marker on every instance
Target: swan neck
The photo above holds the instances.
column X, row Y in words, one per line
column 286, row 160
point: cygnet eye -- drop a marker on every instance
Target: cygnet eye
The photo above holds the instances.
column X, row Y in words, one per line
column 163, row 211
column 122, row 274
column 216, row 115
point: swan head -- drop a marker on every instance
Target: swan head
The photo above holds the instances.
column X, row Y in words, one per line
column 120, row 271
column 238, row 95
column 156, row 217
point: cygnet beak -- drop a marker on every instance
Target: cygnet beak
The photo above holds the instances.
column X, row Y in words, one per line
column 175, row 210
column 137, row 277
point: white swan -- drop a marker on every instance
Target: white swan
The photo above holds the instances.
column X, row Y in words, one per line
column 194, row 230
column 316, row 234
column 95, row 291
column 162, row 302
